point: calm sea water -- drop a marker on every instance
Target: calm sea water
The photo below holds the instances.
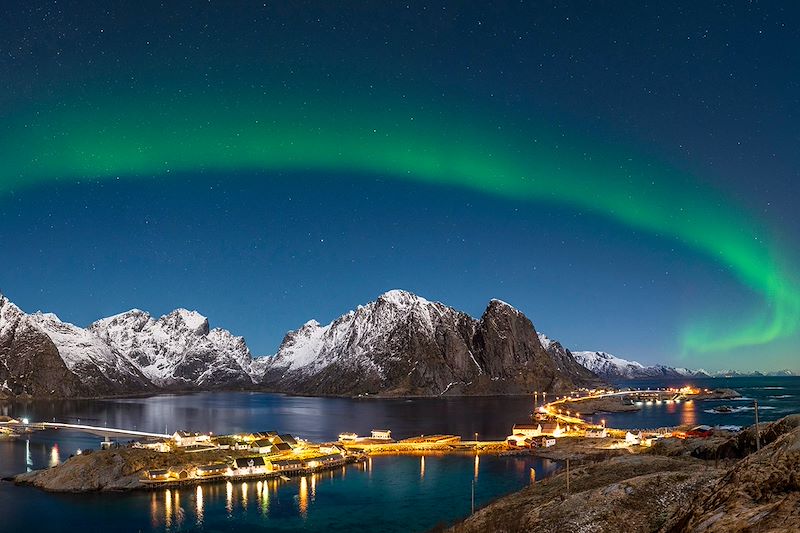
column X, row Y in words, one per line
column 409, row 493
column 386, row 494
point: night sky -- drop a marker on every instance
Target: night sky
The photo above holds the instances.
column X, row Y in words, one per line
column 625, row 173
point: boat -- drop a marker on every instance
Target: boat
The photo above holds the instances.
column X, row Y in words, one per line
column 723, row 409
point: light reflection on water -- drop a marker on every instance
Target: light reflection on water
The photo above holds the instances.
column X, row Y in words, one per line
column 253, row 499
column 55, row 458
column 199, row 505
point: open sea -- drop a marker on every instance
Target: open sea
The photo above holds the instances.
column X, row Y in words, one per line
column 389, row 493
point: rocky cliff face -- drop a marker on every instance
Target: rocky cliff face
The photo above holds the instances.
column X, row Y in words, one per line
column 760, row 493
column 402, row 344
column 30, row 364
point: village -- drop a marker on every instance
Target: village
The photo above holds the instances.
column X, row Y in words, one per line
column 563, row 417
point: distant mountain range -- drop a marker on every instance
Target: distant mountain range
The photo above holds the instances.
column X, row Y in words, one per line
column 611, row 367
column 400, row 344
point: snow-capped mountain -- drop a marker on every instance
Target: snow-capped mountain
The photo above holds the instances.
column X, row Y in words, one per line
column 132, row 352
column 100, row 368
column 403, row 344
column 609, row 366
column 177, row 349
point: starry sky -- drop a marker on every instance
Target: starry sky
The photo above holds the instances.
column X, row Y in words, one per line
column 626, row 174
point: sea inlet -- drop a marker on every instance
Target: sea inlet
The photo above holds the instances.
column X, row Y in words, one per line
column 386, row 493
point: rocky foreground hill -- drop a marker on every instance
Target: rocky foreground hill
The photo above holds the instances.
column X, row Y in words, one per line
column 667, row 490
column 399, row 344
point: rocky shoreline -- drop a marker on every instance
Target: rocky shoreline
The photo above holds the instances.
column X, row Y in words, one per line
column 693, row 485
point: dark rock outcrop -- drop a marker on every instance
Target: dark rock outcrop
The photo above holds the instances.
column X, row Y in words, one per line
column 30, row 364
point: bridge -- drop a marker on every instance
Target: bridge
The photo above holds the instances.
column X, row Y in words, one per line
column 552, row 410
column 101, row 431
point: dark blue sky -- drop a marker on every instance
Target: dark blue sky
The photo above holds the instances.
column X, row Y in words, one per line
column 710, row 90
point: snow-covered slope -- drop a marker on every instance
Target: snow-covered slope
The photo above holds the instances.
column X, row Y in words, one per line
column 404, row 344
column 610, row 366
column 177, row 349
column 127, row 353
column 86, row 355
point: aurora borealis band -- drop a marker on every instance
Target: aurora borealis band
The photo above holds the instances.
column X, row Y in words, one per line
column 149, row 138
column 626, row 176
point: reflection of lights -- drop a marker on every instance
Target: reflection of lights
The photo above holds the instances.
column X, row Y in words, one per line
column 168, row 508
column 265, row 500
column 54, row 456
column 369, row 465
column 28, row 457
column 688, row 414
column 533, row 475
column 477, row 463
column 178, row 510
column 422, row 467
column 199, row 504
column 313, row 487
column 229, row 497
column 303, row 500
column 153, row 510
column 244, row 495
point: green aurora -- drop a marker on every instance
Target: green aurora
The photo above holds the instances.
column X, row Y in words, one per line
column 153, row 138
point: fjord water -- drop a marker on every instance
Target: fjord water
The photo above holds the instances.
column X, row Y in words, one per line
column 408, row 493
column 387, row 493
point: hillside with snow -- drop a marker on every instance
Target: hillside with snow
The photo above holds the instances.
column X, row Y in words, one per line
column 609, row 366
column 127, row 353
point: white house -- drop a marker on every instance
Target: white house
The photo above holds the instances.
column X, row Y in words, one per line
column 551, row 428
column 261, row 446
column 345, row 437
column 187, row 438
column 528, row 430
column 383, row 434
column 547, row 442
column 632, row 439
column 249, row 465
column 329, row 449
column 596, row 433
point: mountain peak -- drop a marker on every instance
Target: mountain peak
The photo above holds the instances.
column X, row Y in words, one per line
column 495, row 302
column 401, row 298
column 193, row 320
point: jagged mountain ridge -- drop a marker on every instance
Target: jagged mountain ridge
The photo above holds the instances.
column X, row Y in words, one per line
column 132, row 352
column 177, row 349
column 610, row 366
column 402, row 344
